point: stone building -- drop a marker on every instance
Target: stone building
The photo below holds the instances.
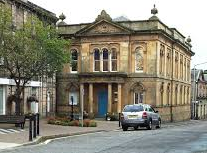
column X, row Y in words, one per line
column 119, row 62
column 199, row 94
column 40, row 90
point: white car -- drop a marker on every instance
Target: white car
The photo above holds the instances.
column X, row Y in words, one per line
column 139, row 115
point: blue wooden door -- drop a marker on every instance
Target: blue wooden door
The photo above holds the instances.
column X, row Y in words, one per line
column 102, row 103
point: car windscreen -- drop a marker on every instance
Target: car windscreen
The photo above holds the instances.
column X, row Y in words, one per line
column 134, row 108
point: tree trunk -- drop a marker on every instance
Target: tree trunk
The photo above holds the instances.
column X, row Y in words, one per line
column 17, row 106
column 18, row 100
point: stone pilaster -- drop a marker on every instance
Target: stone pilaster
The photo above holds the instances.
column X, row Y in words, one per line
column 119, row 99
column 109, row 97
column 91, row 98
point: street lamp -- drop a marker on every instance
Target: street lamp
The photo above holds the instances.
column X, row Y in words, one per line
column 71, row 98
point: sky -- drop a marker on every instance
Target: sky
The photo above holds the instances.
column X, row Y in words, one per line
column 188, row 16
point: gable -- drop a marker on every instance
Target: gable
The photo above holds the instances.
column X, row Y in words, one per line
column 103, row 27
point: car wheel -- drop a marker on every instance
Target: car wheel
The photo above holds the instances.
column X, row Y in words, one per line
column 149, row 126
column 125, row 128
column 159, row 124
column 136, row 128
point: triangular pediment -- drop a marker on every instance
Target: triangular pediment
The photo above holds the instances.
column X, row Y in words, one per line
column 104, row 27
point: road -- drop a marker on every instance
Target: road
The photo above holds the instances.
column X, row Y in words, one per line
column 176, row 138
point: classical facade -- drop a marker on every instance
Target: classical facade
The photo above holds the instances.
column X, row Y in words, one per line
column 119, row 62
column 39, row 95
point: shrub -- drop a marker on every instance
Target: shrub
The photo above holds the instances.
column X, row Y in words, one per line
column 92, row 124
column 51, row 120
column 74, row 123
column 112, row 116
column 66, row 122
column 86, row 122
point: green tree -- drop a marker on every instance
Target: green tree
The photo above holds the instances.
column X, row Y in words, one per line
column 29, row 50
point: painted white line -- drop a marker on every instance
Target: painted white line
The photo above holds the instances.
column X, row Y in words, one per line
column 8, row 145
column 12, row 130
column 2, row 132
column 6, row 131
column 50, row 140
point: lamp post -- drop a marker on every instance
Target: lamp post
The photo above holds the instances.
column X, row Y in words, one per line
column 71, row 98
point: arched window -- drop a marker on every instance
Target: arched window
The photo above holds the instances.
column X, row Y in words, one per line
column 138, row 91
column 181, row 95
column 168, row 94
column 96, row 60
column 139, row 60
column 105, row 59
column 161, row 93
column 113, row 59
column 74, row 60
column 176, row 94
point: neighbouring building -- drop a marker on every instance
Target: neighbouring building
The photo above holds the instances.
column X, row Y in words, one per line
column 39, row 95
column 119, row 62
column 199, row 94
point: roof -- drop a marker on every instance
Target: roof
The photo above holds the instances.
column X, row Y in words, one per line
column 139, row 27
column 35, row 8
column 198, row 73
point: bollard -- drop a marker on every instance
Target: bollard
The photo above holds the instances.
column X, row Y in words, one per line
column 38, row 124
column 119, row 119
column 30, row 129
column 35, row 125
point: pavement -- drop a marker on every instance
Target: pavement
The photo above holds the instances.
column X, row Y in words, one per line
column 11, row 136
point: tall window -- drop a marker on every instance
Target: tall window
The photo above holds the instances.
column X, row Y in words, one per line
column 161, row 93
column 96, row 60
column 176, row 65
column 185, row 69
column 181, row 94
column 105, row 59
column 162, row 58
column 184, row 93
column 113, row 59
column 181, row 67
column 73, row 98
column 139, row 60
column 138, row 98
column 176, row 94
column 188, row 71
column 74, row 60
column 168, row 94
column 168, row 62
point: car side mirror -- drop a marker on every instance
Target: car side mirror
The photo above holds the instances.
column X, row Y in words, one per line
column 156, row 111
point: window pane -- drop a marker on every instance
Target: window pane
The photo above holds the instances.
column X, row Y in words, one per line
column 114, row 65
column 114, row 54
column 131, row 108
column 96, row 54
column 105, row 65
column 73, row 98
column 139, row 61
column 105, row 54
column 97, row 65
column 74, row 65
column 74, row 55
